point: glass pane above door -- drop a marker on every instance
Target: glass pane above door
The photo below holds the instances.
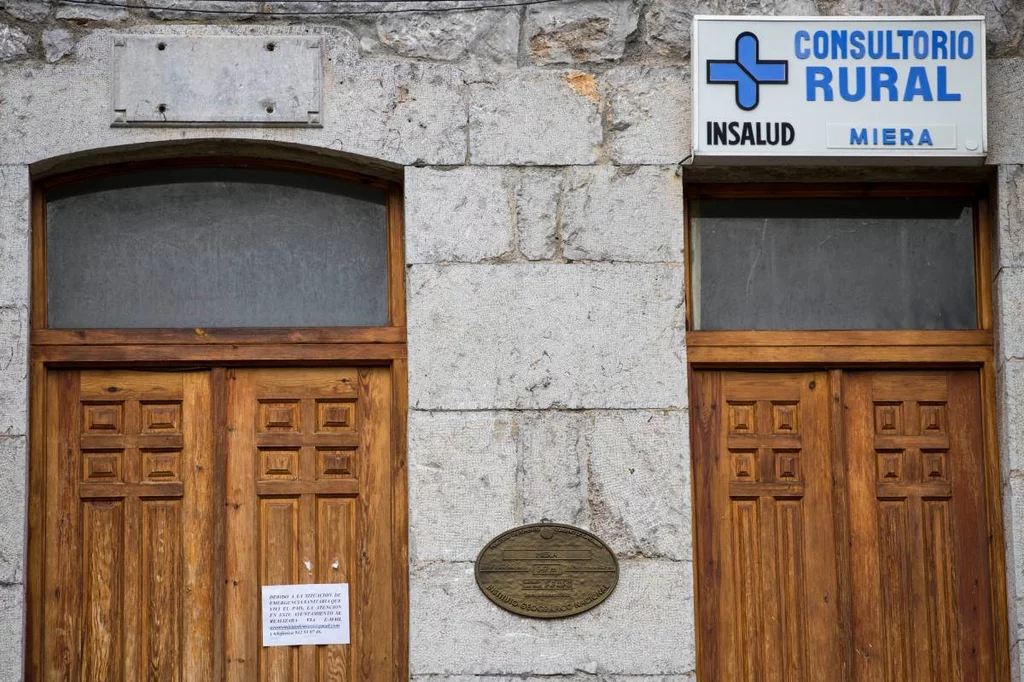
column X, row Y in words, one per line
column 216, row 247
column 827, row 264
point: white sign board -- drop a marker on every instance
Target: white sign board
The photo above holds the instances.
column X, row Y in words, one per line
column 834, row 88
column 305, row 614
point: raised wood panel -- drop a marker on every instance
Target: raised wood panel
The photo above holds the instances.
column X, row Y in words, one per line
column 895, row 472
column 127, row 587
column 310, row 492
column 921, row 576
column 767, row 597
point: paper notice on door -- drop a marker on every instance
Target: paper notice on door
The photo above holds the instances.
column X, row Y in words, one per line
column 305, row 614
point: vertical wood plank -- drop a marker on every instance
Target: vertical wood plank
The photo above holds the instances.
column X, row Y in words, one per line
column 36, row 521
column 199, row 521
column 839, row 461
column 218, row 510
column 396, row 257
column 400, row 519
column 63, row 548
column 242, row 569
column 705, row 435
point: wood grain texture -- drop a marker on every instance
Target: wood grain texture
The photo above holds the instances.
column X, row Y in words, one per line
column 890, row 464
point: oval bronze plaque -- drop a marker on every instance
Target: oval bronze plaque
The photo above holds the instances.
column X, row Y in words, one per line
column 547, row 570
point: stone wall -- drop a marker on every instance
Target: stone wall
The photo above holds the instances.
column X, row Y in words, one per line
column 544, row 219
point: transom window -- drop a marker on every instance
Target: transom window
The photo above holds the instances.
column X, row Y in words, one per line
column 833, row 263
column 212, row 246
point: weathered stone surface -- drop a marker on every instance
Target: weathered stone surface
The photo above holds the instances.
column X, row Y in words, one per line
column 27, row 10
column 623, row 213
column 13, row 462
column 57, row 43
column 1011, row 217
column 1010, row 402
column 553, row 478
column 1014, row 491
column 12, row 615
column 458, row 215
column 639, row 482
column 535, row 117
column 462, row 470
column 644, row 628
column 537, row 201
column 670, row 22
column 202, row 10
column 394, row 111
column 492, row 35
column 544, row 335
column 1005, row 115
column 13, row 43
column 1009, row 295
column 112, row 10
column 579, row 32
column 647, row 114
column 411, row 113
column 1004, row 19
column 15, row 207
column 13, row 371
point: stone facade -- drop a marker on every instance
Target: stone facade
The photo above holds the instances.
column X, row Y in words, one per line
column 544, row 222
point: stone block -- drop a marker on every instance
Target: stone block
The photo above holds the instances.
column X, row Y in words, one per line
column 1009, row 302
column 527, row 336
column 114, row 10
column 553, row 478
column 13, row 43
column 669, row 22
column 622, row 213
column 1010, row 402
column 537, row 201
column 12, row 631
column 13, row 465
column 1005, row 115
column 57, row 44
column 579, row 32
column 13, row 371
column 1010, row 216
column 491, row 35
column 647, row 114
column 639, row 482
column 644, row 628
column 462, row 482
column 1014, row 490
column 15, row 227
column 27, row 10
column 389, row 110
column 535, row 117
column 458, row 215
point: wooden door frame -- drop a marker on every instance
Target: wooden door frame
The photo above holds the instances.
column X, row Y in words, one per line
column 215, row 349
column 837, row 351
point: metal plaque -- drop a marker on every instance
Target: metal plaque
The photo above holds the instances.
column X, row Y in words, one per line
column 547, row 570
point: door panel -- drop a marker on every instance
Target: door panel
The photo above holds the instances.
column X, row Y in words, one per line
column 768, row 604
column 156, row 543
column 128, row 575
column 908, row 467
column 309, row 501
column 920, row 572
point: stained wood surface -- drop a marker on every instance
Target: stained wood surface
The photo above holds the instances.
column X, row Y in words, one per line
column 173, row 496
column 891, row 465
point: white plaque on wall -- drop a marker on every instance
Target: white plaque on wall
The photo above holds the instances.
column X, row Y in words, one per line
column 217, row 81
column 838, row 88
column 305, row 614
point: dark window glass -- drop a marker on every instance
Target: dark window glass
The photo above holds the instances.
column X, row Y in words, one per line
column 216, row 247
column 833, row 264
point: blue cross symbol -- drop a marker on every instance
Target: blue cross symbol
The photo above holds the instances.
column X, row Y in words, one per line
column 747, row 72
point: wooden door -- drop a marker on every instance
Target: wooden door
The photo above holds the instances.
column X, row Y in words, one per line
column 171, row 497
column 128, row 573
column 767, row 582
column 841, row 527
column 309, row 501
column 920, row 572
